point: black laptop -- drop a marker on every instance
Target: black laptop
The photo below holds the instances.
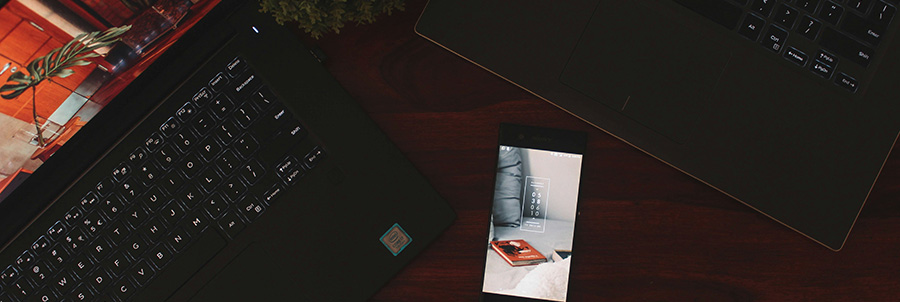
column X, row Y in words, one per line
column 233, row 169
column 789, row 107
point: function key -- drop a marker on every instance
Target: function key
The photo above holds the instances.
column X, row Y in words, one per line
column 202, row 97
column 25, row 261
column 88, row 201
column 137, row 156
column 751, row 27
column 186, row 112
column 8, row 275
column 122, row 171
column 57, row 230
column 104, row 187
column 846, row 81
column 170, row 127
column 218, row 82
column 236, row 66
column 831, row 12
column 72, row 216
column 40, row 246
column 153, row 142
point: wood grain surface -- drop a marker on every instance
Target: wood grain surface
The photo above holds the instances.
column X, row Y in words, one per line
column 646, row 232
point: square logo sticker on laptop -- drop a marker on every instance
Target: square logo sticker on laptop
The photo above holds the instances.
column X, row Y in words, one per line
column 395, row 239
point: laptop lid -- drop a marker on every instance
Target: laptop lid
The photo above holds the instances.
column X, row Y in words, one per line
column 727, row 110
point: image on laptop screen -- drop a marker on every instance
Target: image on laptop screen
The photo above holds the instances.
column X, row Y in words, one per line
column 37, row 120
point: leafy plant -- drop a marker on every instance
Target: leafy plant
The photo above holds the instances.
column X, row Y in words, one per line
column 317, row 17
column 58, row 63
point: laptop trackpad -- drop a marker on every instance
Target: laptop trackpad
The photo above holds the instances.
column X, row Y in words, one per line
column 653, row 69
column 251, row 276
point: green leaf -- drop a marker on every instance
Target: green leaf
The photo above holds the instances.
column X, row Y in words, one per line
column 63, row 73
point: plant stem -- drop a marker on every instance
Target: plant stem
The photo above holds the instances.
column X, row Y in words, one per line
column 37, row 127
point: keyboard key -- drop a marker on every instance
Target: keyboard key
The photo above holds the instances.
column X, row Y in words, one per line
column 209, row 148
column 822, row 69
column 847, row 47
column 218, row 82
column 178, row 239
column 231, row 224
column 867, row 31
column 100, row 248
column 159, row 256
column 751, row 27
column 137, row 156
column 39, row 273
column 103, row 187
column 184, row 140
column 142, row 272
column 25, row 261
column 227, row 131
column 71, row 218
column 170, row 127
column 826, row 57
column 786, row 16
column 154, row 229
column 21, row 289
column 116, row 264
column 153, row 142
column 314, row 157
column 81, row 293
column 99, row 279
column 774, row 38
column 45, row 294
column 8, row 275
column 40, row 246
column 93, row 223
column 153, row 199
column 172, row 181
column 135, row 215
column 62, row 283
column 122, row 171
column 846, row 81
column 75, row 240
column 245, row 84
column 252, row 171
column 831, row 12
column 233, row 188
column 195, row 223
column 245, row 146
column 763, row 7
column 204, row 122
column 166, row 156
column 202, row 97
column 171, row 213
column 57, row 230
column 135, row 246
column 88, row 202
column 80, row 267
column 190, row 166
column 118, row 230
column 250, row 207
column 122, row 289
column 236, row 66
column 228, row 162
column 209, row 179
column 131, row 188
column 148, row 173
column 111, row 206
column 859, row 5
column 221, row 106
column 215, row 204
column 808, row 5
column 263, row 98
column 882, row 13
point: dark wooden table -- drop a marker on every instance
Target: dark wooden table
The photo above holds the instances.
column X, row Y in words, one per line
column 646, row 231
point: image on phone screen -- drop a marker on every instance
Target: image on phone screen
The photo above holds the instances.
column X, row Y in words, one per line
column 529, row 248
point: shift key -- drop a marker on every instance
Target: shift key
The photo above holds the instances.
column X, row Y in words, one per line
column 185, row 265
column 847, row 47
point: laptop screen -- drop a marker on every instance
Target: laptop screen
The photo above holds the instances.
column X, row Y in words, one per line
column 37, row 120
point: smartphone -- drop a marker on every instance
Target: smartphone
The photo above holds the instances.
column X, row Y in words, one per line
column 535, row 205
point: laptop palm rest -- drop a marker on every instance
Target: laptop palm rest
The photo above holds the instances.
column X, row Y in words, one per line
column 624, row 68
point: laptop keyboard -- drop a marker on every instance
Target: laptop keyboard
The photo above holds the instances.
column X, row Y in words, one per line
column 215, row 165
column 817, row 35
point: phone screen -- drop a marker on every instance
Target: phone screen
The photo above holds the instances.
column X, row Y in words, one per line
column 529, row 250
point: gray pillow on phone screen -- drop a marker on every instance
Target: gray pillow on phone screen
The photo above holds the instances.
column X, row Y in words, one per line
column 508, row 189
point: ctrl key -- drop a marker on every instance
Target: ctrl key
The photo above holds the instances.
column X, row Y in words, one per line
column 848, row 82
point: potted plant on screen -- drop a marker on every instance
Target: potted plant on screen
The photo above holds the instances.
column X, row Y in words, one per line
column 57, row 64
column 317, row 17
